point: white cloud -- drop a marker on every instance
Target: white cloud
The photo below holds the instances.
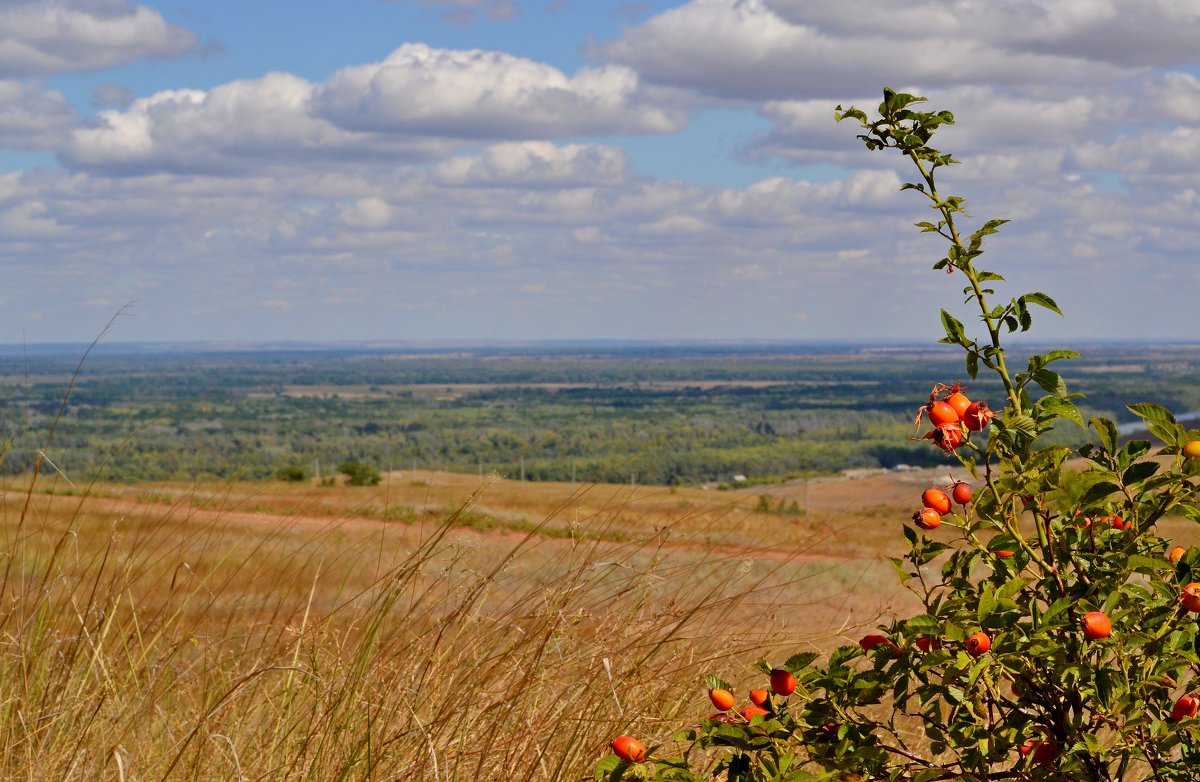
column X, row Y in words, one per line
column 534, row 164
column 32, row 117
column 1126, row 33
column 745, row 49
column 241, row 127
column 58, row 36
column 475, row 94
column 418, row 104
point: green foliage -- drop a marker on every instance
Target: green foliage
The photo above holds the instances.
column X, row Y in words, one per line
column 292, row 473
column 359, row 474
column 1040, row 546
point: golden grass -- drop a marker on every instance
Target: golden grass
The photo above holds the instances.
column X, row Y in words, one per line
column 488, row 630
column 265, row 631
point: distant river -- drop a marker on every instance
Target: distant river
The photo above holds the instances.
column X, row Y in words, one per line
column 1138, row 426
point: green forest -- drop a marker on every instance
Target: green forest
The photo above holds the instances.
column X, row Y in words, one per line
column 652, row 414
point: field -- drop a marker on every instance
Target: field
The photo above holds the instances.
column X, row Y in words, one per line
column 432, row 627
column 444, row 624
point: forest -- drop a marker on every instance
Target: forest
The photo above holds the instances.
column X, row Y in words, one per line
column 652, row 414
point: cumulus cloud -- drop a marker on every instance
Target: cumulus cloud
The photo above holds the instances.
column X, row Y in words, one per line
column 999, row 124
column 534, row 164
column 39, row 38
column 32, row 117
column 1126, row 33
column 240, row 128
column 486, row 94
column 748, row 49
column 418, row 104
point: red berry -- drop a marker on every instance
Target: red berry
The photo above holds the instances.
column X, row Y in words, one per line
column 1096, row 625
column 750, row 712
column 978, row 416
column 927, row 518
column 722, row 699
column 782, row 682
column 961, row 493
column 1185, row 708
column 978, row 643
column 936, row 499
column 628, row 748
column 941, row 414
column 958, row 400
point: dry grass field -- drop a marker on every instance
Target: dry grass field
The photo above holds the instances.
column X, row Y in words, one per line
column 438, row 626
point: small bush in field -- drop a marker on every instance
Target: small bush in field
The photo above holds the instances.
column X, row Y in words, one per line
column 359, row 474
column 1057, row 640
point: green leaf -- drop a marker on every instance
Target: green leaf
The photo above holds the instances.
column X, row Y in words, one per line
column 1053, row 355
column 1145, row 564
column 1011, row 587
column 1057, row 608
column 1139, row 471
column 1097, row 492
column 1042, row 300
column 1052, row 382
column 1107, row 431
column 1021, row 423
column 798, row 662
column 717, row 683
column 987, row 602
column 1152, row 413
column 605, row 768
column 972, row 364
column 1061, row 408
column 922, row 624
column 955, row 334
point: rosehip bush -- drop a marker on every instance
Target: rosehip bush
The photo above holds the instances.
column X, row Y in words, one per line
column 999, row 677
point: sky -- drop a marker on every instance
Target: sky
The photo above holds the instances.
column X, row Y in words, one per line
column 487, row 170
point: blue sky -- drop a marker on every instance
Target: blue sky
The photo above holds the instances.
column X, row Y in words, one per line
column 560, row 169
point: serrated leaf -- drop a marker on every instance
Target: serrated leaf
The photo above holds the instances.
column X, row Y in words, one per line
column 1011, row 587
column 1146, row 564
column 1152, row 412
column 1139, row 471
column 606, row 766
column 1057, row 355
column 1097, row 492
column 901, row 569
column 1107, row 431
column 1057, row 608
column 1042, row 300
column 987, row 602
column 923, row 623
column 1062, row 408
column 717, row 683
column 954, row 329
column 800, row 661
column 1052, row 382
column 1023, row 424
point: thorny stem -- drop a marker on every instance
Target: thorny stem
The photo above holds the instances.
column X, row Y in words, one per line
column 993, row 325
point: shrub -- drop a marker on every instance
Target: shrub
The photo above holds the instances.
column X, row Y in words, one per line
column 997, row 678
column 359, row 474
column 292, row 473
